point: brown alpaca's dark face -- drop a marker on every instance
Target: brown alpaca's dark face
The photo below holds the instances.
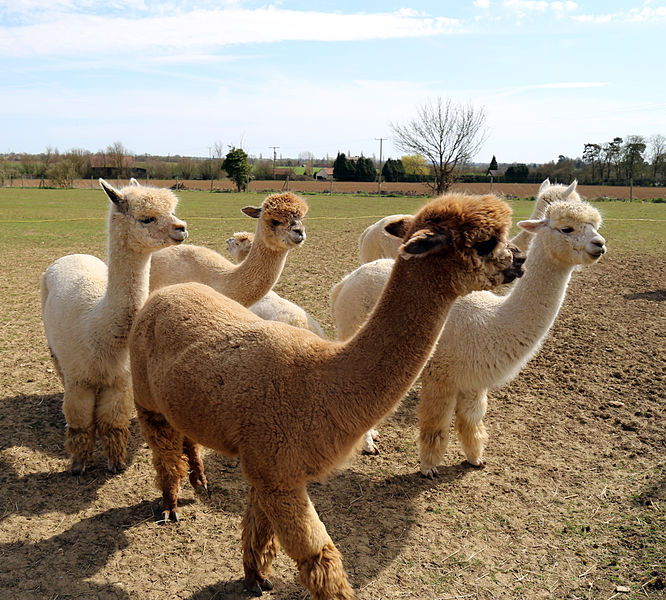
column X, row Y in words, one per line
column 468, row 236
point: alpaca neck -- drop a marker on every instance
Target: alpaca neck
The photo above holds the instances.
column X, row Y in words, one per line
column 535, row 300
column 126, row 290
column 379, row 364
column 253, row 278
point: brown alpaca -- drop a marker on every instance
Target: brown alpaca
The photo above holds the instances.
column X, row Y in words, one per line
column 279, row 229
column 208, row 371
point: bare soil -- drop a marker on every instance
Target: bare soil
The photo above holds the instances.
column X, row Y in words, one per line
column 510, row 190
column 572, row 503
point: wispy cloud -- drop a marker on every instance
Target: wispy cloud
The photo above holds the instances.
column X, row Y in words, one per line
column 201, row 31
column 646, row 14
column 571, row 84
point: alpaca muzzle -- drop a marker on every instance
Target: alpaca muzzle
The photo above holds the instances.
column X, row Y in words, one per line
column 179, row 233
column 517, row 267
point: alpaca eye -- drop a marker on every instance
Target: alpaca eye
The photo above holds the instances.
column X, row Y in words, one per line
column 275, row 223
column 147, row 220
column 567, row 229
column 485, row 248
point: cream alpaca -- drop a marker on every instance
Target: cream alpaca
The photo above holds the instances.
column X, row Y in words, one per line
column 88, row 310
column 290, row 404
column 377, row 242
column 272, row 307
column 487, row 339
column 279, row 229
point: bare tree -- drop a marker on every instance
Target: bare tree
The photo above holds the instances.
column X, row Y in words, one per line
column 116, row 153
column 447, row 134
column 657, row 155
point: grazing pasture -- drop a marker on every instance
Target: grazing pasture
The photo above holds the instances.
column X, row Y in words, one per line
column 571, row 504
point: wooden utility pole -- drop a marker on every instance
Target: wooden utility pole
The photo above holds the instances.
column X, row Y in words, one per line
column 379, row 171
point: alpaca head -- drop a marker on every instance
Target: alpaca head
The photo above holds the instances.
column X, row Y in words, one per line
column 465, row 236
column 239, row 245
column 280, row 220
column 569, row 231
column 554, row 192
column 143, row 216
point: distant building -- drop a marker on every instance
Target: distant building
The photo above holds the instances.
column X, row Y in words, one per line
column 324, row 174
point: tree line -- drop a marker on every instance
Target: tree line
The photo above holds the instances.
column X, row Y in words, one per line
column 633, row 160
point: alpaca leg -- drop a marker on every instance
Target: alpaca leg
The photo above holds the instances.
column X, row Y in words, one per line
column 168, row 459
column 435, row 416
column 260, row 546
column 369, row 446
column 470, row 410
column 304, row 538
column 114, row 408
column 197, row 476
column 79, row 408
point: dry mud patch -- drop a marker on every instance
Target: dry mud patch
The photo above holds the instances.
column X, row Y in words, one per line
column 571, row 504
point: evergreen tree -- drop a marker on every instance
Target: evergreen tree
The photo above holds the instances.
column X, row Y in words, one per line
column 343, row 169
column 393, row 170
column 237, row 167
column 365, row 169
column 493, row 164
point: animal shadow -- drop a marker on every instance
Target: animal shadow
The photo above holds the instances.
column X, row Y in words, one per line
column 654, row 296
column 61, row 566
column 36, row 422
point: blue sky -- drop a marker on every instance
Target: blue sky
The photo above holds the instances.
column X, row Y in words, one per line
column 173, row 77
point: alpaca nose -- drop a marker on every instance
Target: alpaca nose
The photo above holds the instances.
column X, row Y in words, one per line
column 179, row 231
column 597, row 247
column 298, row 235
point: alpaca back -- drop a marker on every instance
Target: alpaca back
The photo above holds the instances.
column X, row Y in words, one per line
column 354, row 297
column 180, row 264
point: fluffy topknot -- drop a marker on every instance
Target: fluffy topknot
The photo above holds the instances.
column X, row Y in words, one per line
column 577, row 209
column 284, row 206
column 474, row 216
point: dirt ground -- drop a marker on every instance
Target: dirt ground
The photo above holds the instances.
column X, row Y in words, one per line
column 571, row 504
column 510, row 190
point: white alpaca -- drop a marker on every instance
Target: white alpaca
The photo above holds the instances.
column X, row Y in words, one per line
column 487, row 339
column 377, row 242
column 279, row 229
column 272, row 307
column 88, row 309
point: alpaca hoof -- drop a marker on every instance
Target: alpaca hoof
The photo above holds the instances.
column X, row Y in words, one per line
column 370, row 450
column 480, row 464
column 115, row 468
column 77, row 467
column 169, row 515
column 430, row 473
column 202, row 490
column 254, row 588
column 266, row 584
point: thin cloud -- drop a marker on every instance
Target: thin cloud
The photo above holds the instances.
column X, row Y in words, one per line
column 571, row 84
column 201, row 31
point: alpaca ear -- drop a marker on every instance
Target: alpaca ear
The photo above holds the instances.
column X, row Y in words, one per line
column 398, row 228
column 531, row 225
column 252, row 211
column 570, row 189
column 424, row 242
column 544, row 184
column 134, row 182
column 114, row 195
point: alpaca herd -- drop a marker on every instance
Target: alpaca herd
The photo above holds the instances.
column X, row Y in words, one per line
column 213, row 357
